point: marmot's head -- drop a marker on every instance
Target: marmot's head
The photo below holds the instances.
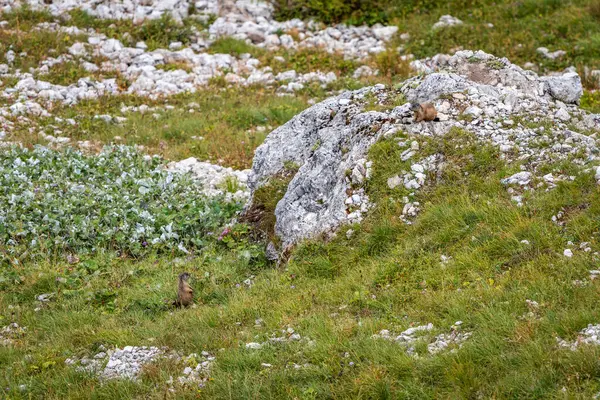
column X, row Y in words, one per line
column 184, row 277
column 415, row 106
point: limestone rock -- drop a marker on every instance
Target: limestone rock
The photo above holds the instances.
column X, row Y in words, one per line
column 325, row 140
column 329, row 142
column 566, row 88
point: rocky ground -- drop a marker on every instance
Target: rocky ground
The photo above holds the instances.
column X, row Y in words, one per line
column 29, row 99
column 482, row 221
column 530, row 119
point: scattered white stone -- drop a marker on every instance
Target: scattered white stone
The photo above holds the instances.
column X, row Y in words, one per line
column 587, row 336
column 394, row 181
column 363, row 72
column 454, row 339
column 447, row 21
column 551, row 55
column 520, row 178
column 45, row 297
column 410, row 211
column 215, row 179
column 10, row 333
column 410, row 337
column 254, row 346
column 562, row 114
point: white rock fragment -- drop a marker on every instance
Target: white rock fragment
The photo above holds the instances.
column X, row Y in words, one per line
column 551, row 55
column 410, row 337
column 216, row 180
column 447, row 21
column 520, row 178
column 588, row 336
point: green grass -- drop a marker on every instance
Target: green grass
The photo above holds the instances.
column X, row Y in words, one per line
column 24, row 18
column 355, row 12
column 38, row 46
column 66, row 73
column 235, row 47
column 591, row 101
column 226, row 119
column 156, row 33
column 519, row 29
column 388, row 276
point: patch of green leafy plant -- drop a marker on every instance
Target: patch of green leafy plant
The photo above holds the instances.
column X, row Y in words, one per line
column 67, row 201
column 237, row 240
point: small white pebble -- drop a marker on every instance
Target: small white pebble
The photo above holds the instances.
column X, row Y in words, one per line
column 568, row 253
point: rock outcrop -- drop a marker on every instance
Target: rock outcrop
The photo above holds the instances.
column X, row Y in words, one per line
column 329, row 142
column 475, row 91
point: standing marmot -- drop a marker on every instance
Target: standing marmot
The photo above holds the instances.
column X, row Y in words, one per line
column 424, row 112
column 185, row 293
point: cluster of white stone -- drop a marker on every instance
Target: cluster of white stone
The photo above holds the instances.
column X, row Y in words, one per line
column 252, row 21
column 136, row 10
column 286, row 336
column 516, row 115
column 357, row 202
column 352, row 42
column 127, row 363
column 415, row 178
column 11, row 332
column 410, row 337
column 588, row 336
column 215, row 180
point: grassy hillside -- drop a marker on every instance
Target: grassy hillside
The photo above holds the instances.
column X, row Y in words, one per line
column 472, row 255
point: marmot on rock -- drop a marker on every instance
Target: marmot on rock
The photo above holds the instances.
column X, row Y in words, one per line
column 185, row 293
column 424, row 112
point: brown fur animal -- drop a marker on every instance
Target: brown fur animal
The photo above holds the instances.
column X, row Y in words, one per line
column 185, row 293
column 424, row 112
